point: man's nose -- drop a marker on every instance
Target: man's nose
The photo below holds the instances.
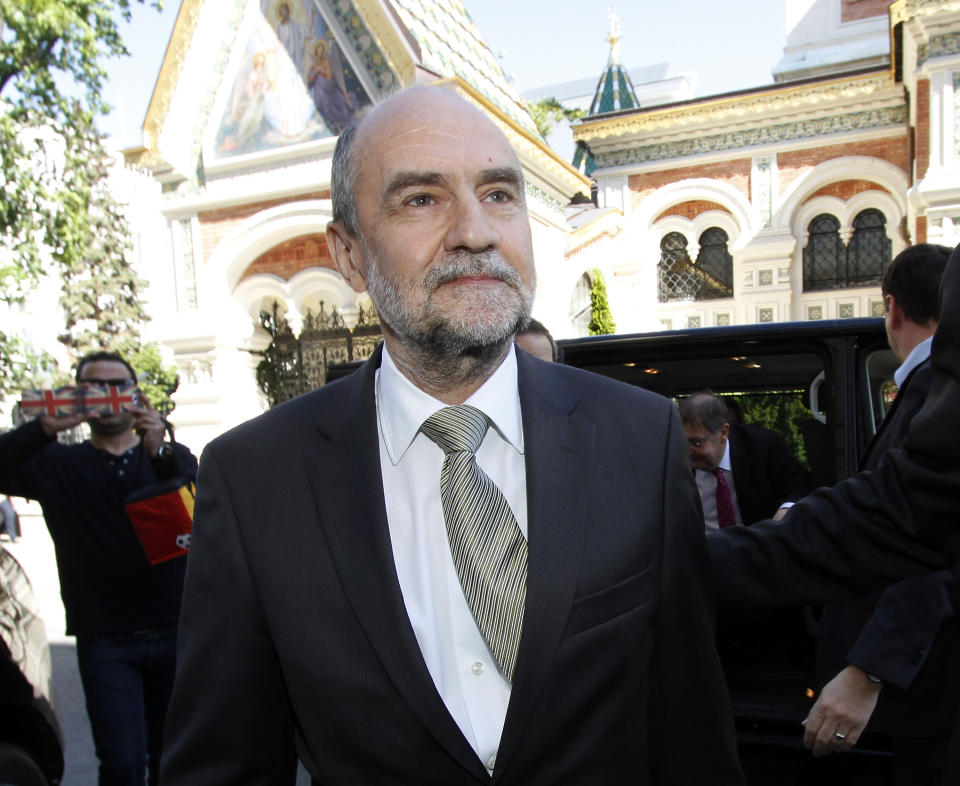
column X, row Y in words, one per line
column 470, row 227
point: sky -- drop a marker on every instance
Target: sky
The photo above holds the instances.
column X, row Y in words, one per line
column 539, row 42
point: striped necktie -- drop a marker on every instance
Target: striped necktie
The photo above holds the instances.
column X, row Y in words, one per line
column 488, row 549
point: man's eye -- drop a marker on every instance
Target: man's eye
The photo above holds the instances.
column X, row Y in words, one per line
column 499, row 196
column 420, row 200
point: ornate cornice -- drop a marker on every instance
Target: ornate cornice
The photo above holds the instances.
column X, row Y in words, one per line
column 539, row 194
column 774, row 101
column 902, row 10
column 740, row 140
column 528, row 146
column 383, row 29
column 374, row 38
column 608, row 225
column 166, row 85
column 898, row 12
column 938, row 46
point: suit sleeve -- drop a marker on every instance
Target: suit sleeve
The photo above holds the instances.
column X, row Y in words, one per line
column 896, row 640
column 690, row 704
column 236, row 729
column 790, row 478
column 863, row 534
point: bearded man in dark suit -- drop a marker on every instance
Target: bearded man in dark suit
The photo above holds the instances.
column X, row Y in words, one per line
column 327, row 615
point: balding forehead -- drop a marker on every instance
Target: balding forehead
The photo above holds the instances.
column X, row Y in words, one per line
column 420, row 104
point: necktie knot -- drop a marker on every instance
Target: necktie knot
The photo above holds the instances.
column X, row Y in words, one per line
column 456, row 429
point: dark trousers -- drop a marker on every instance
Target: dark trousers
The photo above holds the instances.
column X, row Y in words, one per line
column 127, row 679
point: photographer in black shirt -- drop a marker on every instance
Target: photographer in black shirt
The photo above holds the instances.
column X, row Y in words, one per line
column 122, row 610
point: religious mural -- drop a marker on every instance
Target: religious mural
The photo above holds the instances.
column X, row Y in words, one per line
column 294, row 83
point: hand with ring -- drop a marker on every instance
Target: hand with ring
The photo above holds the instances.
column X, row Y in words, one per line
column 841, row 712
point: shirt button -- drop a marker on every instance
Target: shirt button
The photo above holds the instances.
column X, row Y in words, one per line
column 492, row 762
column 476, row 668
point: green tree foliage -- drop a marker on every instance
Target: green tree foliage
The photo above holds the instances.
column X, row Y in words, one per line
column 780, row 411
column 601, row 320
column 52, row 55
column 101, row 291
column 547, row 112
column 157, row 381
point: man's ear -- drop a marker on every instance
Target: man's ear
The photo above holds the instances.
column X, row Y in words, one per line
column 896, row 313
column 348, row 255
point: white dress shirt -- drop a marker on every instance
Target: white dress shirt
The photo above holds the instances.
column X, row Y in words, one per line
column 707, row 485
column 463, row 669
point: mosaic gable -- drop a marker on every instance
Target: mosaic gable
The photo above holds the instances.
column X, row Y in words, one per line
column 294, row 83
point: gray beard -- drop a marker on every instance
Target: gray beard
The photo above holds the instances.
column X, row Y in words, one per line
column 453, row 348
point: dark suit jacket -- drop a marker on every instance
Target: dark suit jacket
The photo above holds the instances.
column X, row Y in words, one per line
column 877, row 527
column 906, row 635
column 765, row 473
column 294, row 631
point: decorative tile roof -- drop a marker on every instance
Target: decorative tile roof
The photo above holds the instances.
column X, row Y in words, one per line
column 451, row 45
column 614, row 90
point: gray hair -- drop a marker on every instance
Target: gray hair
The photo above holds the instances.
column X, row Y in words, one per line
column 343, row 180
column 706, row 409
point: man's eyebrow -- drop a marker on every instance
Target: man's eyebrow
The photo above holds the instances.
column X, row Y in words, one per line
column 506, row 174
column 403, row 180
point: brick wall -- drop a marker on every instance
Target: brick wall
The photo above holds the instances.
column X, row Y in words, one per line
column 692, row 209
column 289, row 258
column 736, row 173
column 792, row 165
column 846, row 189
column 852, row 10
column 921, row 230
column 217, row 224
column 923, row 127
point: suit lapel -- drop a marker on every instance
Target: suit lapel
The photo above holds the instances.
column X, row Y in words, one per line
column 345, row 478
column 888, row 416
column 559, row 452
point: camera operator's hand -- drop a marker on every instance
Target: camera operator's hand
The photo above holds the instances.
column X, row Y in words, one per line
column 149, row 425
column 52, row 425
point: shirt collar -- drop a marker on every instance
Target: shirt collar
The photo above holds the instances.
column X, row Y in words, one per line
column 917, row 355
column 725, row 461
column 402, row 406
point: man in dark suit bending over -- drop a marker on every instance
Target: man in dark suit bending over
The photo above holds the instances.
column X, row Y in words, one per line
column 744, row 473
column 460, row 565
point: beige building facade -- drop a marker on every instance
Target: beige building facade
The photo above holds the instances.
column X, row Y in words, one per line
column 786, row 202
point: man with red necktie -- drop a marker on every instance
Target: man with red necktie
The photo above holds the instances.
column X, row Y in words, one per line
column 744, row 472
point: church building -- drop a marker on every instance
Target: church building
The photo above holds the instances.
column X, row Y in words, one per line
column 784, row 202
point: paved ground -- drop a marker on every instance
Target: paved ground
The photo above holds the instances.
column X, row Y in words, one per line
column 35, row 553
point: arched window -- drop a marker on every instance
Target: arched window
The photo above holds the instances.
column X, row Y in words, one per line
column 715, row 264
column 580, row 313
column 869, row 252
column 675, row 280
column 711, row 276
column 824, row 258
column 828, row 264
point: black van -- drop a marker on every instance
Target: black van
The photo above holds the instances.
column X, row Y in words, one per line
column 824, row 386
